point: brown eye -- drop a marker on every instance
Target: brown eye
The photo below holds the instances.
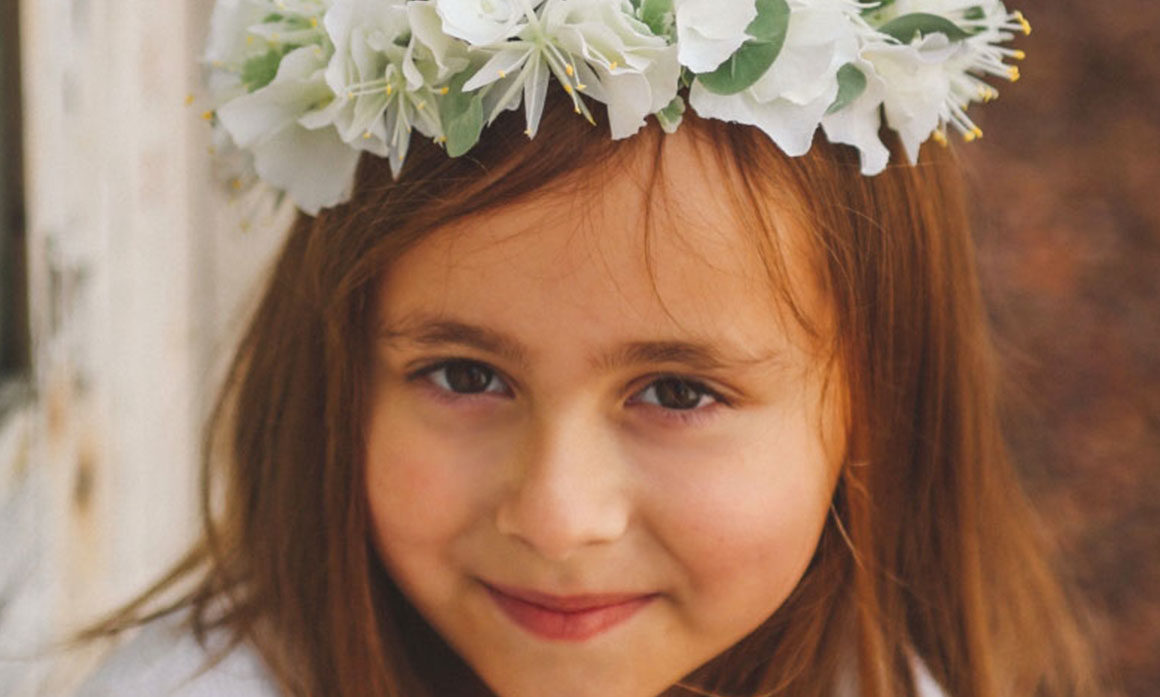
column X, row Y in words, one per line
column 676, row 393
column 465, row 377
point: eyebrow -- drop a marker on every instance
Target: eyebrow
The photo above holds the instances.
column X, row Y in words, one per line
column 429, row 331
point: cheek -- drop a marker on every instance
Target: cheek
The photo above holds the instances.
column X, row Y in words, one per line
column 423, row 489
column 743, row 520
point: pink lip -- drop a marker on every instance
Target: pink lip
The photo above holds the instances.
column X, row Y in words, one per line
column 567, row 617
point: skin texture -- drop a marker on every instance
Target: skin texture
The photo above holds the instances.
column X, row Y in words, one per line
column 570, row 470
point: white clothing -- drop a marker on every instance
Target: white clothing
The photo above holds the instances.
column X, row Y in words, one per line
column 165, row 660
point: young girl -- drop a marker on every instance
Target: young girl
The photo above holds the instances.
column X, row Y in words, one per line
column 573, row 415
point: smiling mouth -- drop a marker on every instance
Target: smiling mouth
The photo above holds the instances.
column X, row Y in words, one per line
column 567, row 618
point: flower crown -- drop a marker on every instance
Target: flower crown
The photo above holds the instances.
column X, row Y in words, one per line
column 305, row 86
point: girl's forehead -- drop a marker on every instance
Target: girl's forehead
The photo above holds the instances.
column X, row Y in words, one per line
column 640, row 247
column 678, row 207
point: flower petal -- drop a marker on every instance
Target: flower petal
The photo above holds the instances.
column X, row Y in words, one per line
column 709, row 31
column 497, row 67
column 298, row 86
column 315, row 168
column 535, row 90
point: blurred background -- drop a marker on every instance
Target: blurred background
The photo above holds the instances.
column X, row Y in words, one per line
column 1067, row 197
column 126, row 267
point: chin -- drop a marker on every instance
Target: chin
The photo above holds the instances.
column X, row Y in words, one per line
column 566, row 683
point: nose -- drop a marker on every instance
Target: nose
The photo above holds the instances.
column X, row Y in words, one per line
column 570, row 490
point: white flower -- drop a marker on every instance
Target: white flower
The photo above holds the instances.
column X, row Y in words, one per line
column 917, row 86
column 364, row 72
column 248, row 38
column 384, row 76
column 931, row 81
column 709, row 31
column 621, row 62
column 313, row 166
column 789, row 101
column 594, row 47
column 484, row 22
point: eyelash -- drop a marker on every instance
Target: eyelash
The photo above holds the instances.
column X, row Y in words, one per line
column 684, row 416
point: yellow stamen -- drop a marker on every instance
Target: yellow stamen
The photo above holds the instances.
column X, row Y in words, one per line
column 236, row 184
column 444, row 90
column 1013, row 74
column 1023, row 21
column 440, row 139
column 577, row 109
column 568, row 88
column 528, row 132
column 569, row 69
column 612, row 65
column 420, row 105
column 207, row 115
column 390, row 89
column 1019, row 55
column 314, row 22
column 940, row 138
column 580, row 86
column 502, row 74
column 978, row 132
column 970, row 136
column 366, row 135
column 188, row 99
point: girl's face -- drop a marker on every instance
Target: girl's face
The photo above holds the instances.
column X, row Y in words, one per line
column 591, row 470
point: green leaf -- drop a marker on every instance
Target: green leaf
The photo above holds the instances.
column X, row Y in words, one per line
column 851, row 85
column 974, row 13
column 462, row 116
column 658, row 15
column 907, row 27
column 260, row 71
column 750, row 62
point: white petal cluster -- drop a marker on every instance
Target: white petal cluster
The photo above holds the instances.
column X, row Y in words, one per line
column 928, row 82
column 307, row 86
column 788, row 102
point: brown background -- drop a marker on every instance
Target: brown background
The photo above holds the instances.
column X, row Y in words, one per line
column 1067, row 191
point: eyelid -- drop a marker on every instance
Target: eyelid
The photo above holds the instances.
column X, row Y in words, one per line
column 700, row 384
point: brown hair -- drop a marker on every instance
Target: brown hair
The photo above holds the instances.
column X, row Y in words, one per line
column 930, row 554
